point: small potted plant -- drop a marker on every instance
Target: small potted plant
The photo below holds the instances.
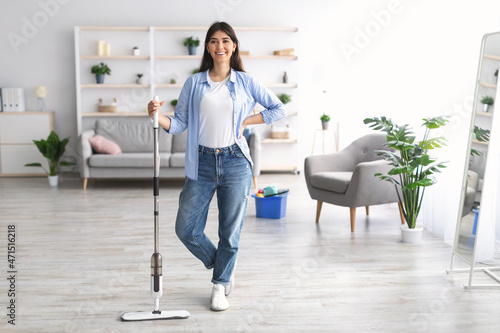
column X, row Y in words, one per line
column 192, row 43
column 173, row 103
column 52, row 149
column 284, row 98
column 139, row 78
column 487, row 101
column 325, row 120
column 173, row 81
column 413, row 168
column 99, row 71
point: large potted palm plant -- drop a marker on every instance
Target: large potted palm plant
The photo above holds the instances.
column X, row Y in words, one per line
column 413, row 168
column 52, row 149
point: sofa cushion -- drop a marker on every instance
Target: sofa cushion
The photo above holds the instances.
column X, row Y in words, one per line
column 332, row 181
column 138, row 160
column 133, row 135
column 179, row 143
column 177, row 160
column 104, row 146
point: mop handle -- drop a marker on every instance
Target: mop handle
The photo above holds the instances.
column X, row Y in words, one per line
column 155, row 117
column 156, row 180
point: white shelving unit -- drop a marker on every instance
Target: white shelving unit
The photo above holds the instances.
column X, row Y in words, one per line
column 161, row 47
column 17, row 132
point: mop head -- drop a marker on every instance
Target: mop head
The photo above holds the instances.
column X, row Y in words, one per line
column 153, row 315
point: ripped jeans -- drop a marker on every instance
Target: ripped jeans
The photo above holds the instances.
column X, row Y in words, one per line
column 227, row 172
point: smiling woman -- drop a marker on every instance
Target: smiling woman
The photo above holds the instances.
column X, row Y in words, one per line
column 216, row 105
column 221, row 30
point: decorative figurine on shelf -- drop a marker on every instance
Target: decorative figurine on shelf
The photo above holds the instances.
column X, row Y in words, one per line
column 285, row 78
column 41, row 95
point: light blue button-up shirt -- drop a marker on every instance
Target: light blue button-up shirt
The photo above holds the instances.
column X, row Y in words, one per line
column 245, row 91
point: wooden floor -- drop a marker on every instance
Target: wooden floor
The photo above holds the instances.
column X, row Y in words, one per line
column 82, row 259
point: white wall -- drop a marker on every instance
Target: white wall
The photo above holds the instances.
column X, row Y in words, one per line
column 402, row 59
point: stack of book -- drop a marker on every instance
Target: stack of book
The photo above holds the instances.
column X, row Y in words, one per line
column 12, row 100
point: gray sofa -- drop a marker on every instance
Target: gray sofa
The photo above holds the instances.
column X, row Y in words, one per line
column 135, row 138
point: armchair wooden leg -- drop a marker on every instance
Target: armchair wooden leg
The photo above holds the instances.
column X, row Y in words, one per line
column 254, row 182
column 401, row 213
column 353, row 218
column 367, row 210
column 85, row 183
column 318, row 210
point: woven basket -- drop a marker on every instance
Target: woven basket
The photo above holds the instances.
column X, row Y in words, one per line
column 107, row 108
column 280, row 133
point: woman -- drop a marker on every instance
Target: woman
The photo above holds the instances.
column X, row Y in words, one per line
column 215, row 106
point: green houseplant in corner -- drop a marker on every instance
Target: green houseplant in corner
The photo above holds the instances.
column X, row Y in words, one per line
column 413, row 168
column 52, row 149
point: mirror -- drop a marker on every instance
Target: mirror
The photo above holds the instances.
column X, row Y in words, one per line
column 481, row 124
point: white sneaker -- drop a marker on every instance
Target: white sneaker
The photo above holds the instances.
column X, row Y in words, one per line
column 218, row 301
column 230, row 286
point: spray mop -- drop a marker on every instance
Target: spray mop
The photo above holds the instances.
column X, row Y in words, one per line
column 156, row 259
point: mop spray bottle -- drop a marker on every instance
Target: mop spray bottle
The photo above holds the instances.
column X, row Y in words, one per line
column 156, row 279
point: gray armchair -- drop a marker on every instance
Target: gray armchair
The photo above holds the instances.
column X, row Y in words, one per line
column 347, row 178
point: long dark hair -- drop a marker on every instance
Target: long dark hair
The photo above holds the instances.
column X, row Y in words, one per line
column 207, row 62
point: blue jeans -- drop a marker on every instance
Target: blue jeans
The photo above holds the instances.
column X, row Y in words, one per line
column 227, row 171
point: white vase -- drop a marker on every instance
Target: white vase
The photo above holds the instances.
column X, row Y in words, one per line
column 53, row 180
column 411, row 236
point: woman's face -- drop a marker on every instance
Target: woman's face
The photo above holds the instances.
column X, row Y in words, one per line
column 221, row 47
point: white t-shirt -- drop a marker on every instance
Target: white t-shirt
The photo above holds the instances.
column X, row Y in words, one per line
column 216, row 116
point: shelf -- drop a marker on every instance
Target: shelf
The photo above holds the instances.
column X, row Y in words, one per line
column 114, row 86
column 121, row 114
column 115, row 57
column 198, row 28
column 281, row 85
column 485, row 114
column 177, row 57
column 107, row 28
column 271, row 85
column 488, row 85
column 264, row 141
column 198, row 57
column 491, row 56
column 168, row 85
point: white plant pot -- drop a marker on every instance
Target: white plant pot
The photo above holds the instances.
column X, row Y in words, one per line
column 411, row 236
column 53, row 180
